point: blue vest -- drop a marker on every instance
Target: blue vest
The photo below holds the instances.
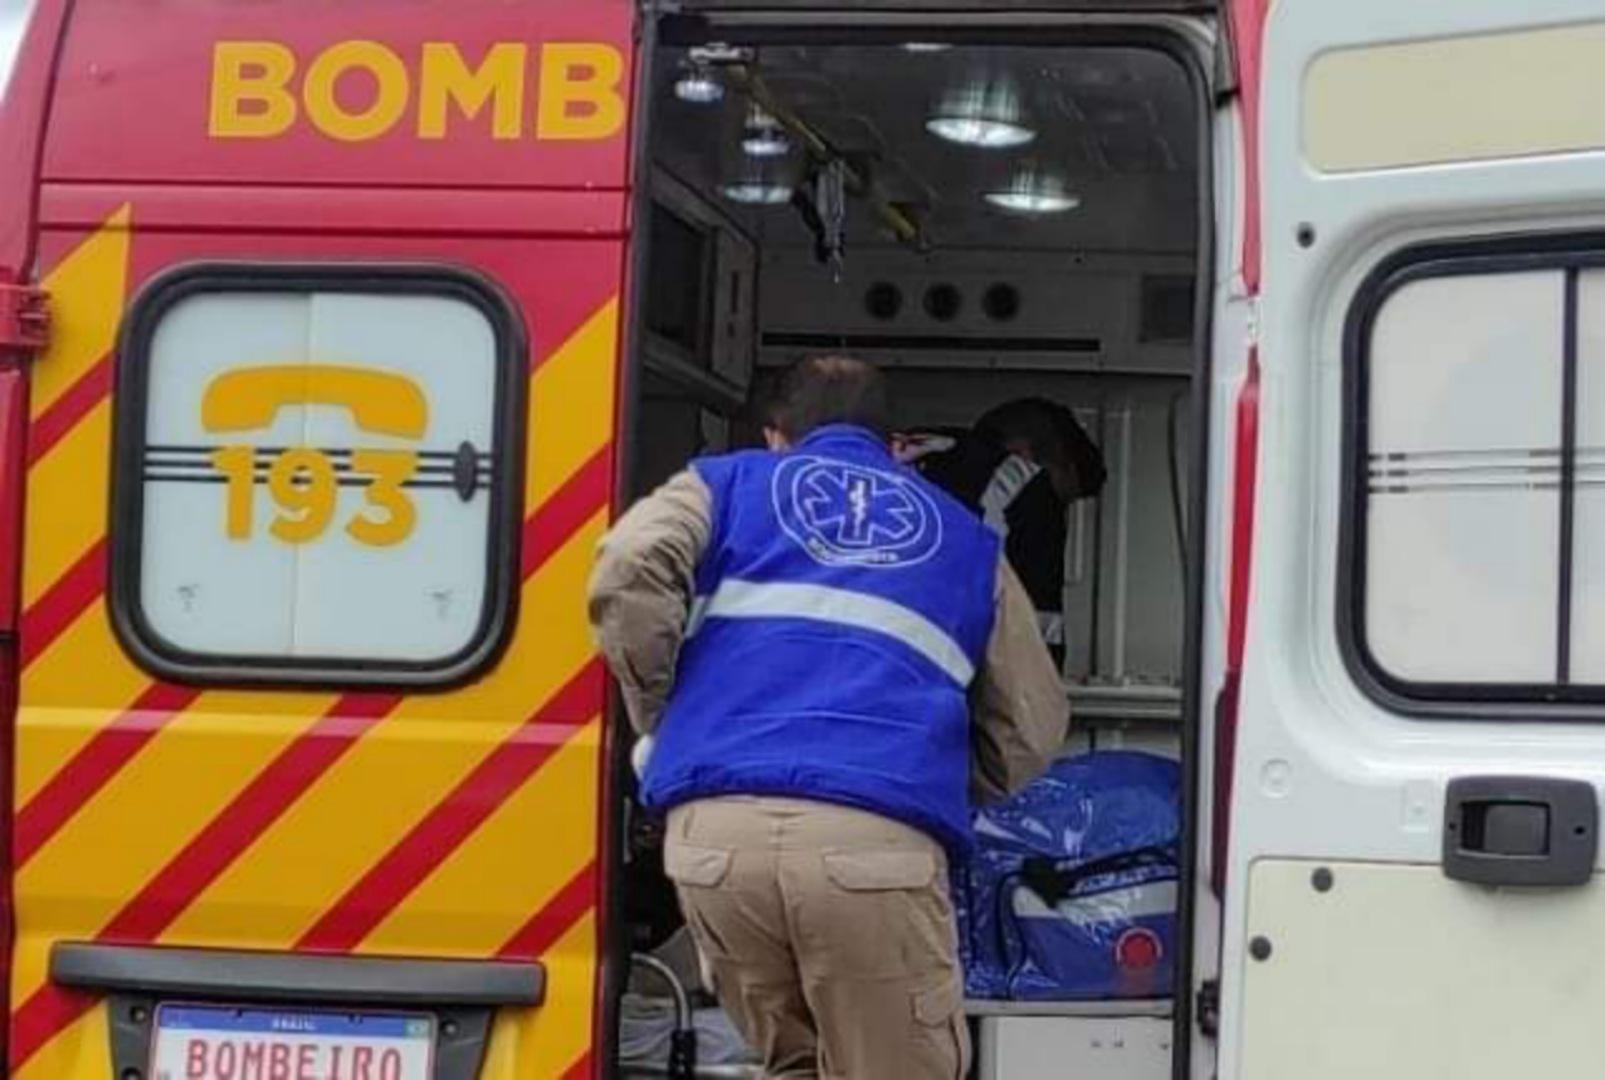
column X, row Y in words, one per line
column 844, row 605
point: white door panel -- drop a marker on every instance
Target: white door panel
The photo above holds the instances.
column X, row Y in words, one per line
column 1324, row 770
column 1402, row 973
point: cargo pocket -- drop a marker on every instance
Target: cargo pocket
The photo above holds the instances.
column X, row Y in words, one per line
column 880, row 914
column 702, row 867
column 941, row 1034
column 697, row 873
column 877, row 871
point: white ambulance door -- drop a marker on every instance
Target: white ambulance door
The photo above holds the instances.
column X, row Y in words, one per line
column 1411, row 888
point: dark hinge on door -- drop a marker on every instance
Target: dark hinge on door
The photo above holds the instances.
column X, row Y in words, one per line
column 1207, row 1008
column 24, row 318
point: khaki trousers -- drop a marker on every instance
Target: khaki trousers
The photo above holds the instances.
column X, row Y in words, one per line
column 828, row 934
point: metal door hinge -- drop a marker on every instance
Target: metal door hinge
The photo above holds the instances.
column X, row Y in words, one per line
column 1207, row 1008
column 24, row 318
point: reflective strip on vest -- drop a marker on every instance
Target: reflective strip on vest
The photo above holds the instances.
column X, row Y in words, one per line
column 735, row 599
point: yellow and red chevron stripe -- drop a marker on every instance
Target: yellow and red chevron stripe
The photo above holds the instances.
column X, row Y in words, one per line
column 365, row 821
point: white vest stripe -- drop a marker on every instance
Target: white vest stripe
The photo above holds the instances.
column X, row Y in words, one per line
column 735, row 599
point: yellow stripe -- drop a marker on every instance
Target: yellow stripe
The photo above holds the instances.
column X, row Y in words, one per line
column 57, row 677
column 60, row 530
column 162, row 798
column 571, row 404
column 369, row 799
column 66, row 502
column 293, row 873
column 478, row 898
column 550, row 644
column 84, row 667
column 553, row 638
column 545, row 1041
column 76, row 687
column 542, row 655
column 86, row 301
column 82, row 1048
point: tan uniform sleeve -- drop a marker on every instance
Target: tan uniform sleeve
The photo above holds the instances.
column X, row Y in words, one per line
column 1020, row 714
column 642, row 589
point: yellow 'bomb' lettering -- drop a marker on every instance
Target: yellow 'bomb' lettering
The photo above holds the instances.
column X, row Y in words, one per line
column 579, row 91
column 249, row 95
column 323, row 106
column 445, row 79
column 255, row 93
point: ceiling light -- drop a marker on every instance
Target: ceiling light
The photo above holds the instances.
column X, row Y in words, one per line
column 764, row 144
column 925, row 46
column 759, row 183
column 757, row 192
column 764, row 137
column 980, row 131
column 1033, row 202
column 1034, row 192
column 698, row 86
column 982, row 114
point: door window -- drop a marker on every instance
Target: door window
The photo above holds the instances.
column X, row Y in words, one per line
column 316, row 474
column 1478, row 409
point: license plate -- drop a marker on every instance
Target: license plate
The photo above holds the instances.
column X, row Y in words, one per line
column 203, row 1042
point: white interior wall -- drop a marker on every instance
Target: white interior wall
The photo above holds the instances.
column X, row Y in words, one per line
column 1063, row 296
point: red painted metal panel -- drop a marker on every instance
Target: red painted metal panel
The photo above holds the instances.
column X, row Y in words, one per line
column 557, row 282
column 534, row 199
column 13, row 435
column 22, row 125
column 341, row 211
column 1248, row 38
column 136, row 93
column 1244, row 484
column 1246, row 23
column 13, row 454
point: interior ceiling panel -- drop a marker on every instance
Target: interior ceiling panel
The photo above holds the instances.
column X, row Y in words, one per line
column 1116, row 127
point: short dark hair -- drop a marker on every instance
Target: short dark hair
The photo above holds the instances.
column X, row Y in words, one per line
column 822, row 390
column 1052, row 433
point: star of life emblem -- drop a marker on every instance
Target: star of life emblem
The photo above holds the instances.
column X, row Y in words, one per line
column 845, row 514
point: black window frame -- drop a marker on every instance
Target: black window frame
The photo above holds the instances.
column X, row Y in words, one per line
column 1568, row 254
column 131, row 395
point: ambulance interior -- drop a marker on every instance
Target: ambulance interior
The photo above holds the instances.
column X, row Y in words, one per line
column 987, row 221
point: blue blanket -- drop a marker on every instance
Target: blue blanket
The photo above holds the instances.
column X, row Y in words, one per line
column 1071, row 891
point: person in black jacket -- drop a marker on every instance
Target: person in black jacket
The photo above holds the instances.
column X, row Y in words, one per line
column 1020, row 467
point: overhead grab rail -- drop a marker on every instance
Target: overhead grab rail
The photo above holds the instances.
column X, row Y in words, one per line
column 744, row 77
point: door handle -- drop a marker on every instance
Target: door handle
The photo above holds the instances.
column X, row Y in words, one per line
column 1520, row 830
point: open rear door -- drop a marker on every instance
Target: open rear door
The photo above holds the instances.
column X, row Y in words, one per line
column 309, row 746
column 1411, row 887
